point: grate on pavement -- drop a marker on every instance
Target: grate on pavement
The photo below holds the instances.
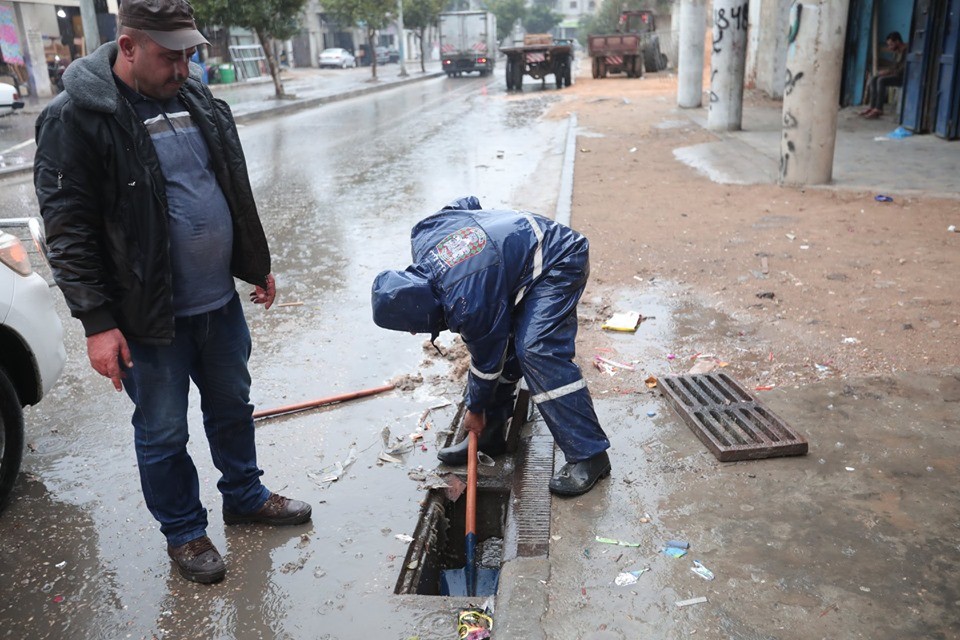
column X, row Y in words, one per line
column 728, row 419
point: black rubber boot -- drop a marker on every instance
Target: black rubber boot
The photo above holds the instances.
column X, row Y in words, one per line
column 492, row 442
column 578, row 478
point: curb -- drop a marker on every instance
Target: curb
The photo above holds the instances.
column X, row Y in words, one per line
column 269, row 111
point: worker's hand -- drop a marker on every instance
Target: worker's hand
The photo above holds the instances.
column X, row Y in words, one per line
column 474, row 422
column 265, row 296
column 106, row 350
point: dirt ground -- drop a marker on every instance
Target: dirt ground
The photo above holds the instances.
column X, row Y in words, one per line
column 817, row 282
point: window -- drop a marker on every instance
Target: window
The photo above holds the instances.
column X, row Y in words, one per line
column 573, row 4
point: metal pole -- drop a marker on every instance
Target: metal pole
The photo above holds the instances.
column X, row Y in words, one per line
column 727, row 64
column 811, row 98
column 402, row 37
column 693, row 14
column 91, row 32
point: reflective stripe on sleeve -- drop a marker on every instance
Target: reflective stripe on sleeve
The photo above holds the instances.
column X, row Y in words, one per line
column 484, row 376
column 559, row 392
column 537, row 253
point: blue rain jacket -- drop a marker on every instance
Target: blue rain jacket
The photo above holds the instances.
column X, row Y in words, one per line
column 471, row 270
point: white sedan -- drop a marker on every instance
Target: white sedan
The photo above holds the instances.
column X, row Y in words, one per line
column 337, row 58
column 9, row 99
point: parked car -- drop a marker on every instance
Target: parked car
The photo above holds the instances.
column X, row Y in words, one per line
column 31, row 345
column 394, row 55
column 9, row 99
column 383, row 55
column 337, row 57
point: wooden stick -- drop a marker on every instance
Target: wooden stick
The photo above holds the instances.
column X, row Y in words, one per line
column 344, row 397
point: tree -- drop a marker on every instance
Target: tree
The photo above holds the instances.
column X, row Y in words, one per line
column 507, row 12
column 541, row 18
column 372, row 15
column 279, row 19
column 420, row 15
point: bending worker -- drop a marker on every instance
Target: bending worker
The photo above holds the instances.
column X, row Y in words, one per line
column 508, row 282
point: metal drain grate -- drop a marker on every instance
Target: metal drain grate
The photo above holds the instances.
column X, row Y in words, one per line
column 733, row 424
column 531, row 499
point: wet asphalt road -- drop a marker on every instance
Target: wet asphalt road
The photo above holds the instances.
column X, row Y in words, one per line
column 338, row 189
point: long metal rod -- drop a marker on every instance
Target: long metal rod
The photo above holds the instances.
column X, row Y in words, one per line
column 267, row 413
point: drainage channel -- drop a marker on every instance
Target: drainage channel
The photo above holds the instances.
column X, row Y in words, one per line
column 513, row 510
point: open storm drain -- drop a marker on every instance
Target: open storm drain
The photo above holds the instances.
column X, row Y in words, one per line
column 732, row 423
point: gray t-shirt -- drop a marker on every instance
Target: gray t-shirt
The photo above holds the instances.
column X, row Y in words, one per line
column 201, row 228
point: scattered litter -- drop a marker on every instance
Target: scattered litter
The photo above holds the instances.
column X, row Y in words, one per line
column 691, row 601
column 764, row 387
column 791, row 237
column 952, row 228
column 428, row 480
column 474, row 624
column 899, row 133
column 883, row 198
column 645, row 518
column 626, row 578
column 804, row 246
column 389, row 459
column 851, row 341
column 335, row 472
column 402, row 537
column 485, row 460
column 651, row 414
column 679, row 544
column 583, row 150
column 768, row 295
column 394, row 445
column 822, row 368
column 556, row 538
column 61, row 565
column 701, row 570
column 850, row 468
column 651, row 382
column 58, row 599
column 413, row 564
column 422, row 422
column 633, row 149
column 290, row 304
column 674, row 552
column 620, row 543
column 623, row 321
column 614, row 363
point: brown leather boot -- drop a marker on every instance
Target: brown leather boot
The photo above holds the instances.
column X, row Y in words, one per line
column 277, row 511
column 198, row 561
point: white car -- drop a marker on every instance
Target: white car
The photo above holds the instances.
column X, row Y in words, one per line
column 337, row 57
column 9, row 99
column 32, row 354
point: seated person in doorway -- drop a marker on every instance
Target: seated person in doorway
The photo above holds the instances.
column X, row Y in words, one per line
column 889, row 77
column 508, row 282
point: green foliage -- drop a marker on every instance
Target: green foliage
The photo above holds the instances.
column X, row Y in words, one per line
column 421, row 14
column 507, row 12
column 371, row 14
column 607, row 17
column 541, row 18
column 278, row 19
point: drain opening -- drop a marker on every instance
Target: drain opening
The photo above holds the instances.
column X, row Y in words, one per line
column 438, row 540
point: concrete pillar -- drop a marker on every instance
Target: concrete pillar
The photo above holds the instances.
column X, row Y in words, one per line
column 727, row 64
column 812, row 91
column 31, row 35
column 693, row 14
column 91, row 30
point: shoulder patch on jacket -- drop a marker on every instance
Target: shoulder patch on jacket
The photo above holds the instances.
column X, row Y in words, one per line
column 461, row 245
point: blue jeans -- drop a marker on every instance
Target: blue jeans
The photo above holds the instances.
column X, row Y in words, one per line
column 212, row 349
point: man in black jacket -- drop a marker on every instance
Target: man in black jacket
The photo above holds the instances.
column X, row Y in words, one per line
column 149, row 215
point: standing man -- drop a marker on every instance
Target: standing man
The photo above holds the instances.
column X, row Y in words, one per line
column 149, row 216
column 508, row 282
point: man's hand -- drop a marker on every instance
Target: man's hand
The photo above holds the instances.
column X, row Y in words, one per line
column 474, row 422
column 106, row 350
column 265, row 296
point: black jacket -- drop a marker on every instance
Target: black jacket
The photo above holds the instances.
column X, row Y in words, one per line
column 103, row 201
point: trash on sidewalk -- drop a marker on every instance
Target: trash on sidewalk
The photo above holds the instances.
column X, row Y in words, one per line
column 402, row 537
column 851, row 340
column 389, row 459
column 701, row 570
column 679, row 544
column 474, row 624
column 620, row 543
column 614, row 363
column 394, row 445
column 651, row 382
column 766, row 295
column 707, row 363
column 952, row 228
column 428, row 479
column 691, row 601
column 674, row 552
column 626, row 578
column 623, row 321
column 882, row 198
column 336, row 470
